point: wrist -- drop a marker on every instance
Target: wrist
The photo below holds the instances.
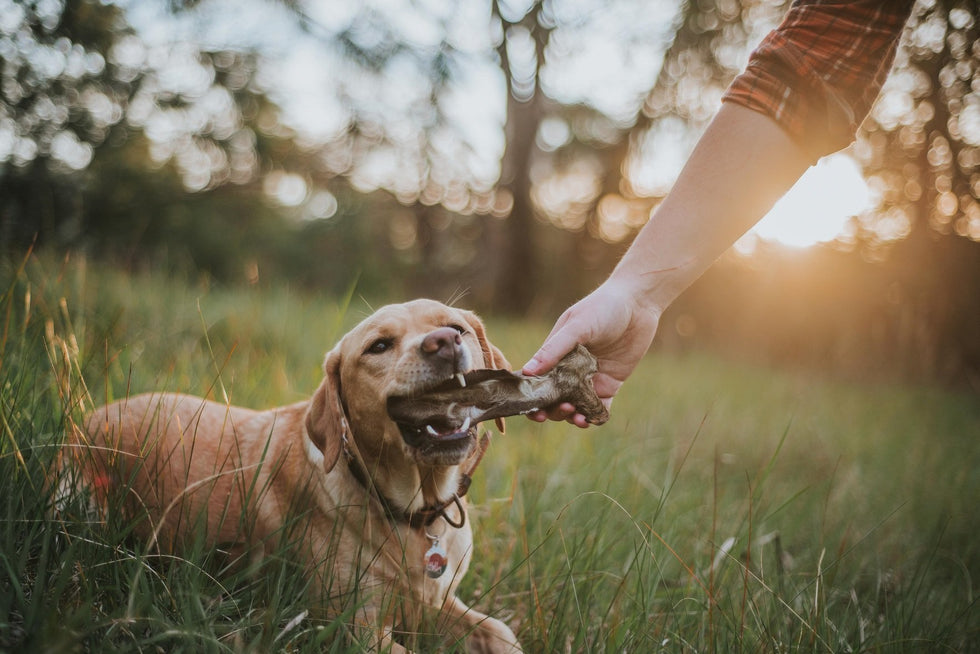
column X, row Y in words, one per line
column 650, row 288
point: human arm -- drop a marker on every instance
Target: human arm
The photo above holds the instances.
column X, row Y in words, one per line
column 803, row 94
column 742, row 164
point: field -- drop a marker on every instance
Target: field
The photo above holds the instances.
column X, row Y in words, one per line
column 724, row 508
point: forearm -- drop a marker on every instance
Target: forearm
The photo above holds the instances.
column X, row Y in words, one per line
column 816, row 75
column 741, row 166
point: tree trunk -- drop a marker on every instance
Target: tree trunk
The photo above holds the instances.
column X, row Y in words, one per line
column 517, row 262
column 515, row 267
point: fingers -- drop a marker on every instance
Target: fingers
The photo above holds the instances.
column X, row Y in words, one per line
column 563, row 411
column 606, row 387
column 557, row 345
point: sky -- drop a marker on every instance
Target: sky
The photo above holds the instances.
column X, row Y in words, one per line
column 819, row 206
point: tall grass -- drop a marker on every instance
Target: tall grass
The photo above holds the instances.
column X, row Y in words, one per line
column 724, row 507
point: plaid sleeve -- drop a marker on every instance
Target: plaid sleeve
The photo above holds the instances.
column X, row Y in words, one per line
column 819, row 72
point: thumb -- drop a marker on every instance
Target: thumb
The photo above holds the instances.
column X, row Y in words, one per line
column 556, row 346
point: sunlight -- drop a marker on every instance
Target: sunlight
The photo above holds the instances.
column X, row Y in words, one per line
column 819, row 205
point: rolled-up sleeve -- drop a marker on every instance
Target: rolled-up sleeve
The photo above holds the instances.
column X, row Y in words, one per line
column 819, row 72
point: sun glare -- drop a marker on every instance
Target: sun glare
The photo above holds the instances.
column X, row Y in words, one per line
column 817, row 208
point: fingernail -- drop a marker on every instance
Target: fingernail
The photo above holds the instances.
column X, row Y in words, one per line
column 531, row 367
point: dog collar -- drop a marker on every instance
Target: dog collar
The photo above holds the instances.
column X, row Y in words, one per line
column 427, row 515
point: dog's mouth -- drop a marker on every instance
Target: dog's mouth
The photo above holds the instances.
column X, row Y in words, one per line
column 448, row 411
column 431, row 427
column 437, row 431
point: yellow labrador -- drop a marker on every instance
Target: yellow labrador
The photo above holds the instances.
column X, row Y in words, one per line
column 380, row 506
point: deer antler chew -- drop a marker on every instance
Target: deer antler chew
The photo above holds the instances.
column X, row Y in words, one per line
column 490, row 394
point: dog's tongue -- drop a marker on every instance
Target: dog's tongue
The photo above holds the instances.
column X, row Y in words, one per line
column 488, row 394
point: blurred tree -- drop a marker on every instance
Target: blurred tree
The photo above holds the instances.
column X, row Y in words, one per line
column 508, row 147
column 921, row 145
column 452, row 106
column 147, row 153
column 521, row 53
column 62, row 97
column 709, row 45
column 577, row 74
column 921, row 152
column 404, row 81
column 607, row 167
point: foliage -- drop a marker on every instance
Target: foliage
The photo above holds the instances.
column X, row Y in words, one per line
column 724, row 508
column 472, row 147
column 922, row 145
column 61, row 99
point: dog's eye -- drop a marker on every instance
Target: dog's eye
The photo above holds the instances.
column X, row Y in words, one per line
column 380, row 346
column 459, row 328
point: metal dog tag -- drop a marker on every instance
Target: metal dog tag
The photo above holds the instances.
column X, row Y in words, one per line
column 435, row 560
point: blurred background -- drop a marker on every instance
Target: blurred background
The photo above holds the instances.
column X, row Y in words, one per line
column 502, row 151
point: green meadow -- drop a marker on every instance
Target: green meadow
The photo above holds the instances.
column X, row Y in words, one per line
column 725, row 507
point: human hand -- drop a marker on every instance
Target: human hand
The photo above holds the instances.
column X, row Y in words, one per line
column 614, row 326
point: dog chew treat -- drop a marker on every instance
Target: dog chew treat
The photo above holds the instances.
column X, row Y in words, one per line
column 490, row 394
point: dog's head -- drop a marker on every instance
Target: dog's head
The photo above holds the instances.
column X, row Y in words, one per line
column 402, row 349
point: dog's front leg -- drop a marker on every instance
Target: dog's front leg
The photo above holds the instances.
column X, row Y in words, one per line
column 388, row 644
column 375, row 634
column 482, row 634
column 378, row 641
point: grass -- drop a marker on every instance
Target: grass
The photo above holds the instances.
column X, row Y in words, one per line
column 724, row 508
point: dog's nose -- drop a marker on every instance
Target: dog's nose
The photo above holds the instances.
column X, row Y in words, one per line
column 442, row 343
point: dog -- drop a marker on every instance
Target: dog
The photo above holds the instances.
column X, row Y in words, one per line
column 378, row 508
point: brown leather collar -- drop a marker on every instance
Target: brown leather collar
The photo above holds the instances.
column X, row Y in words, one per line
column 427, row 514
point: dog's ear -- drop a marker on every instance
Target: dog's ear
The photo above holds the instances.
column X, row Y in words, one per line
column 325, row 420
column 492, row 356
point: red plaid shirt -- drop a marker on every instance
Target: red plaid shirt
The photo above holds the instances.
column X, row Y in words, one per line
column 819, row 72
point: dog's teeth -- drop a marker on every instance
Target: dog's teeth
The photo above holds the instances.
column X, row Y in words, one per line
column 466, row 424
column 461, row 379
column 432, row 430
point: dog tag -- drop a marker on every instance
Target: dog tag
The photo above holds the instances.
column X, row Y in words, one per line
column 435, row 560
